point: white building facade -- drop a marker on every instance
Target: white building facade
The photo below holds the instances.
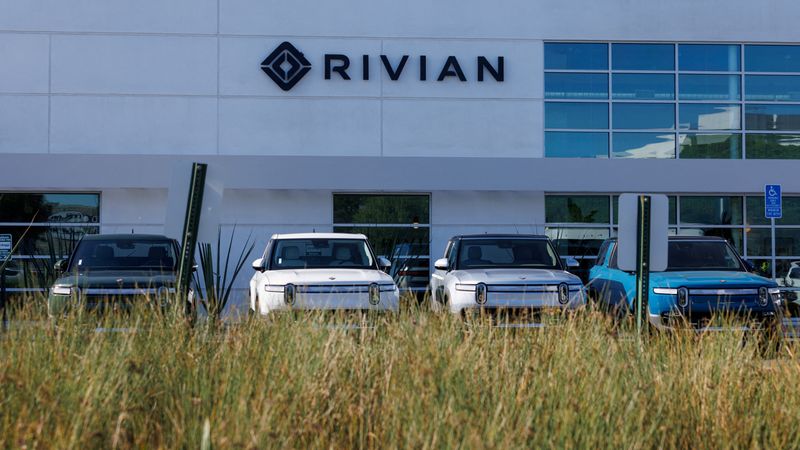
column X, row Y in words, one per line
column 411, row 121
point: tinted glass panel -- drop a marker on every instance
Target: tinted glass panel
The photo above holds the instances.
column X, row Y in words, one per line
column 42, row 240
column 773, row 146
column 772, row 117
column 577, row 209
column 575, row 56
column 702, row 116
column 636, row 86
column 711, row 210
column 643, row 56
column 775, row 88
column 559, row 144
column 755, row 211
column 27, row 207
column 710, row 87
column 787, row 242
column 720, row 146
column 672, row 204
column 321, row 254
column 638, row 116
column 701, row 255
column 521, row 253
column 643, row 145
column 579, row 242
column 732, row 235
column 374, row 209
column 125, row 254
column 707, row 57
column 576, row 115
column 772, row 58
column 584, row 86
column 759, row 242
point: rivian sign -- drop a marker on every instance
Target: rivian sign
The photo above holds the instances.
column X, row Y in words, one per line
column 286, row 66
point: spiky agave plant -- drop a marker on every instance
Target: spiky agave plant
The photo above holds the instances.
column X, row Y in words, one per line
column 217, row 279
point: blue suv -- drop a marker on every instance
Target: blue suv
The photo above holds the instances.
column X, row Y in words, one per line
column 705, row 276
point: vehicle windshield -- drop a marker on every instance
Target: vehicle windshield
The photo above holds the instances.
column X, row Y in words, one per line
column 321, row 254
column 125, row 254
column 507, row 253
column 701, row 255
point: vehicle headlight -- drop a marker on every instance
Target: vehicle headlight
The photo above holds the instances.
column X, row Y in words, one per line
column 665, row 291
column 776, row 295
column 683, row 297
column 465, row 287
column 563, row 293
column 763, row 296
column 61, row 289
column 481, row 294
column 289, row 294
column 374, row 294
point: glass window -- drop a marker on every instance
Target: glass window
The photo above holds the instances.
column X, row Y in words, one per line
column 704, row 116
column 321, row 254
column 672, row 204
column 719, row 146
column 755, row 211
column 36, row 207
column 640, row 116
column 575, row 56
column 773, row 146
column 787, row 241
column 42, row 240
column 643, row 145
column 581, row 86
column 701, row 255
column 773, row 88
column 559, row 144
column 772, row 58
column 759, row 242
column 125, row 254
column 710, row 87
column 643, row 56
column 577, row 209
column 732, row 235
column 579, row 242
column 709, row 57
column 576, row 115
column 638, row 86
column 772, row 117
column 507, row 252
column 711, row 210
column 381, row 209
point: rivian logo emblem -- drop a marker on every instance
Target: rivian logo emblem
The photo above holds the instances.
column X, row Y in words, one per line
column 286, row 65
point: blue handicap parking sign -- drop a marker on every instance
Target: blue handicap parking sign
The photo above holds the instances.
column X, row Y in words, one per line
column 773, row 207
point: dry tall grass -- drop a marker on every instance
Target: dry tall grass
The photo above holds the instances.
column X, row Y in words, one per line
column 413, row 381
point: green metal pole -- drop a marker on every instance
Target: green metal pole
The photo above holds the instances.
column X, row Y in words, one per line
column 642, row 263
column 191, row 225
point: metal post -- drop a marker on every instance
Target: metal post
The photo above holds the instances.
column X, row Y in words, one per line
column 194, row 205
column 642, row 263
column 772, row 261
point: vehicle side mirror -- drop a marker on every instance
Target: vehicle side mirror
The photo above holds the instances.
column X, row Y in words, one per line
column 749, row 265
column 441, row 264
column 60, row 266
column 572, row 262
column 384, row 263
column 258, row 264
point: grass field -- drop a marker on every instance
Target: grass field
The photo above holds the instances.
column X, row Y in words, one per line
column 413, row 381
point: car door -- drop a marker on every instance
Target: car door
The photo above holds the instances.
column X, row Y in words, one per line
column 599, row 273
column 438, row 276
column 620, row 285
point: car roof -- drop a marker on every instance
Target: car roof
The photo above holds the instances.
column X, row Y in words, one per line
column 507, row 235
column 125, row 237
column 689, row 238
column 319, row 236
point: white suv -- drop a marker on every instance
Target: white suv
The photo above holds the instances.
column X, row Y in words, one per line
column 321, row 271
column 503, row 273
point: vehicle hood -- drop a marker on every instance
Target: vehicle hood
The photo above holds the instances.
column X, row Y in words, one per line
column 716, row 279
column 515, row 276
column 327, row 276
column 111, row 279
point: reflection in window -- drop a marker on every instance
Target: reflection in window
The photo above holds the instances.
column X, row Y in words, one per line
column 711, row 210
column 558, row 144
column 577, row 209
column 755, row 211
column 576, row 115
column 773, row 88
column 381, row 209
column 704, row 116
column 579, row 86
column 719, row 146
column 710, row 87
column 55, row 208
column 709, row 57
column 575, row 56
column 643, row 56
column 773, row 146
column 772, row 117
column 772, row 58
column 641, row 116
column 643, row 145
column 636, row 86
column 732, row 235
